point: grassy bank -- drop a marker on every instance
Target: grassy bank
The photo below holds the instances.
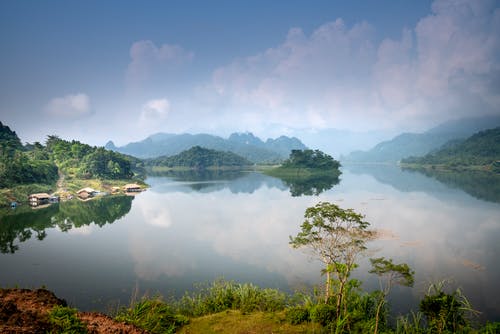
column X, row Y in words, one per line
column 231, row 322
column 229, row 307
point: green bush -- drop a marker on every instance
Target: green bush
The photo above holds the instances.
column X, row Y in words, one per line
column 323, row 314
column 297, row 315
column 64, row 320
column 153, row 316
column 491, row 328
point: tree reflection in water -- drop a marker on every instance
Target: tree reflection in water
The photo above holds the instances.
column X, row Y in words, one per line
column 23, row 222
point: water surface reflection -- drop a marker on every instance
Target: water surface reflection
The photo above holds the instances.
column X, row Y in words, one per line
column 184, row 231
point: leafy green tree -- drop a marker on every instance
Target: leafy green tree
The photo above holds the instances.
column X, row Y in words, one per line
column 310, row 159
column 389, row 275
column 337, row 237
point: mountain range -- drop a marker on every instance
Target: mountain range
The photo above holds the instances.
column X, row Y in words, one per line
column 244, row 144
column 420, row 144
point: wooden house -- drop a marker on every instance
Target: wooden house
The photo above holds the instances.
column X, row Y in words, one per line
column 86, row 192
column 38, row 199
column 132, row 188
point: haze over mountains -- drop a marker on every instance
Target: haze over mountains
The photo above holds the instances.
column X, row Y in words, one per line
column 420, row 144
column 244, row 144
column 344, row 145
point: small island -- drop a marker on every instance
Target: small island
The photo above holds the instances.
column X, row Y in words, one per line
column 307, row 172
column 306, row 163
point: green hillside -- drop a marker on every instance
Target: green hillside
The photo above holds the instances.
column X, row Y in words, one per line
column 36, row 167
column 200, row 158
column 21, row 166
column 481, row 149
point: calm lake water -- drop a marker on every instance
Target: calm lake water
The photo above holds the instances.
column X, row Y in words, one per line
column 188, row 229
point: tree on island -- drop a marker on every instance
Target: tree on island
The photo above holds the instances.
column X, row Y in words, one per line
column 312, row 159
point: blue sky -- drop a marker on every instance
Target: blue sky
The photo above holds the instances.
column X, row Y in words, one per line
column 121, row 70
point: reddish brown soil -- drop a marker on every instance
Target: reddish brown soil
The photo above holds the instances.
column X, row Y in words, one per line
column 26, row 311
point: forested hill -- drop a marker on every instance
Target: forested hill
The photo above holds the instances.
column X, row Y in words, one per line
column 9, row 141
column 37, row 163
column 420, row 144
column 19, row 165
column 84, row 161
column 200, row 158
column 481, row 149
column 246, row 145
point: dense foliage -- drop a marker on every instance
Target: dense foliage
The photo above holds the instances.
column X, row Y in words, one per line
column 482, row 148
column 200, row 158
column 36, row 163
column 18, row 166
column 64, row 319
column 87, row 161
column 310, row 159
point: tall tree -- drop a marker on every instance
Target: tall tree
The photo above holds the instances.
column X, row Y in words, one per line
column 389, row 275
column 337, row 237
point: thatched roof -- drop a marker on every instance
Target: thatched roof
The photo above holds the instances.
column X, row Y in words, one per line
column 39, row 195
column 131, row 186
column 87, row 190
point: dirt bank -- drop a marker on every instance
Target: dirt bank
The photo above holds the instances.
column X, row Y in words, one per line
column 26, row 311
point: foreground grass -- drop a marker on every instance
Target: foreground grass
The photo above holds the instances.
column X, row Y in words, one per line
column 237, row 322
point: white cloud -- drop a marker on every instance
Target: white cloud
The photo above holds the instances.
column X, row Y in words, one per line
column 154, row 111
column 149, row 60
column 447, row 66
column 69, row 106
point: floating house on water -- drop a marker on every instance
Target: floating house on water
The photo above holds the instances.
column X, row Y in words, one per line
column 38, row 199
column 132, row 188
column 85, row 193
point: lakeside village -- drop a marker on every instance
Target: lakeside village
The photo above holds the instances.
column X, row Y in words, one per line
column 39, row 200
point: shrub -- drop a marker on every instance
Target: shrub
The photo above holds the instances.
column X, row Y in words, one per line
column 222, row 295
column 64, row 320
column 323, row 314
column 297, row 315
column 154, row 316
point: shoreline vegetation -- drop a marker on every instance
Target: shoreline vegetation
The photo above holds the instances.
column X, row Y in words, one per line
column 60, row 168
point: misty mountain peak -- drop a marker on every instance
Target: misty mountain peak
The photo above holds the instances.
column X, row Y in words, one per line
column 246, row 138
column 110, row 145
